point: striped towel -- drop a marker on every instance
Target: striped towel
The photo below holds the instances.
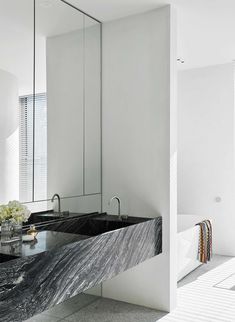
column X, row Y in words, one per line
column 205, row 242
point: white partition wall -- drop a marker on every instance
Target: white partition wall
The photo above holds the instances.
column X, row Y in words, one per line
column 206, row 167
column 139, row 144
column 9, row 137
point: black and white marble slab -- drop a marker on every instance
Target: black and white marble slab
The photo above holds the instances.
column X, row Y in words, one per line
column 37, row 281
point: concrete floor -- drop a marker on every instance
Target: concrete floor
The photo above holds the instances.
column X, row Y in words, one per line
column 89, row 308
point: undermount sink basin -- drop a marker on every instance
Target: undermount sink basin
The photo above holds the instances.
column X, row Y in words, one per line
column 43, row 217
column 95, row 226
column 37, row 218
column 90, row 225
column 105, row 223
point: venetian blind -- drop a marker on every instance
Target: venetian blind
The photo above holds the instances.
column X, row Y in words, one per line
column 27, row 164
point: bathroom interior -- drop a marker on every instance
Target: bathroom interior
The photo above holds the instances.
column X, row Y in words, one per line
column 119, row 148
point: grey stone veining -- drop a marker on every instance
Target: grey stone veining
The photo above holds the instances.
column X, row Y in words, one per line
column 32, row 284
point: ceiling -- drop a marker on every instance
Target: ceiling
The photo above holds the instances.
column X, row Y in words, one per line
column 206, row 28
column 53, row 17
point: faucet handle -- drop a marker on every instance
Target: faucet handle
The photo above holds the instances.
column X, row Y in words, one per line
column 124, row 216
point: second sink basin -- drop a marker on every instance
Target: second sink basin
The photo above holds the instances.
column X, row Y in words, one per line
column 90, row 225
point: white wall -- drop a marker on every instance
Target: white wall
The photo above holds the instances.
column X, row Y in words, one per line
column 9, row 137
column 206, row 150
column 139, row 153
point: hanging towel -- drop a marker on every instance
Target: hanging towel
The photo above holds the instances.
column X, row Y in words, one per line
column 205, row 241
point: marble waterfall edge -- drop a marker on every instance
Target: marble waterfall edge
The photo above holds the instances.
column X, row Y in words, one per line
column 32, row 284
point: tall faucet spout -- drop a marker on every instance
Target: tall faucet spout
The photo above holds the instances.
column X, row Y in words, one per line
column 119, row 205
column 58, row 197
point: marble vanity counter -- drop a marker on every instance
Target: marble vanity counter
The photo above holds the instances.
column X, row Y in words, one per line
column 45, row 241
column 71, row 256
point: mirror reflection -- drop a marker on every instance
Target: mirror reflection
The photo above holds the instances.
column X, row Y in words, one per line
column 50, row 102
column 16, row 121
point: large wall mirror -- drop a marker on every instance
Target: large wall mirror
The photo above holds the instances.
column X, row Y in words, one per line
column 50, row 128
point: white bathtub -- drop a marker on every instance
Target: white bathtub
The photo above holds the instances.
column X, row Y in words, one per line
column 188, row 239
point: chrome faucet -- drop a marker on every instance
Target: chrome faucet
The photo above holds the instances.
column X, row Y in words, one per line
column 119, row 205
column 58, row 197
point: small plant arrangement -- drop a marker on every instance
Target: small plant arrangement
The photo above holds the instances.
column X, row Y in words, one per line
column 14, row 212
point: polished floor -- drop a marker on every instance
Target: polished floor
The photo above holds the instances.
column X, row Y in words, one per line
column 208, row 298
column 89, row 308
column 193, row 276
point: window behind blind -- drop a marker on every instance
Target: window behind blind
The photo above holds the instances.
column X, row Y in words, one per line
column 27, row 164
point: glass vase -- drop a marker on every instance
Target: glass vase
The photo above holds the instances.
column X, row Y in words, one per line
column 10, row 232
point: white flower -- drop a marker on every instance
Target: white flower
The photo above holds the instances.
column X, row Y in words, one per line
column 15, row 212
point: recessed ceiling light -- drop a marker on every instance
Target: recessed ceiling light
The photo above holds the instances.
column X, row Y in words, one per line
column 180, row 60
